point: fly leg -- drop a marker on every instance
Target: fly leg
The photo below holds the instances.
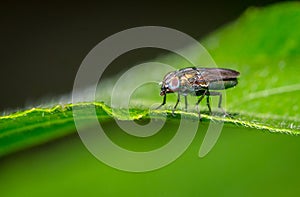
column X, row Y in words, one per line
column 220, row 101
column 163, row 103
column 186, row 103
column 197, row 104
column 178, row 99
column 208, row 103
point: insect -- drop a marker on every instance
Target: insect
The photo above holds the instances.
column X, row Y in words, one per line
column 198, row 82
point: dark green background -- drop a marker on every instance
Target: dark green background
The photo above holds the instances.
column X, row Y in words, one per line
column 43, row 43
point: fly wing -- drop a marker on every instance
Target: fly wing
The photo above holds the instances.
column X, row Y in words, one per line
column 216, row 74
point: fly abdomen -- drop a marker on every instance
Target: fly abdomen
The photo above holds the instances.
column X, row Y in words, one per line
column 222, row 84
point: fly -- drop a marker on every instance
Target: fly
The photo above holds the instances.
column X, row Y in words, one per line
column 198, row 82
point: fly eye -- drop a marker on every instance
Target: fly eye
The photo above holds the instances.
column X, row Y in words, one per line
column 174, row 83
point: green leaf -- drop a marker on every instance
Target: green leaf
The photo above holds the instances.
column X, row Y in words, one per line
column 262, row 45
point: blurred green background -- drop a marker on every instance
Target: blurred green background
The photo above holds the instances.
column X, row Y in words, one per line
column 244, row 162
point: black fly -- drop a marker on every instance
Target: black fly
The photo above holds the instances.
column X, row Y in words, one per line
column 198, row 82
